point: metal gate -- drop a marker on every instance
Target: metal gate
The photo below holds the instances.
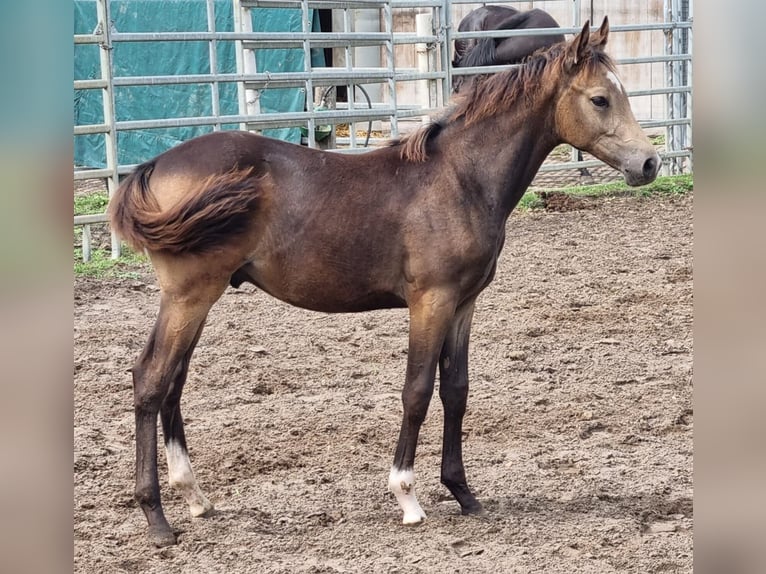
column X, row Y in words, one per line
column 416, row 55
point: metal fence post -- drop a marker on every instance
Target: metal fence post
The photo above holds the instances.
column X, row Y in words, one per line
column 110, row 135
column 215, row 101
column 388, row 16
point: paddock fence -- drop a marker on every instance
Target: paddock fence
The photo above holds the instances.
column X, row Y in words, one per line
column 385, row 66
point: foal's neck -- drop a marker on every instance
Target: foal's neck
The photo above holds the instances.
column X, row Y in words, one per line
column 507, row 150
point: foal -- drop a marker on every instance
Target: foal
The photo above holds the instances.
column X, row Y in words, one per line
column 419, row 224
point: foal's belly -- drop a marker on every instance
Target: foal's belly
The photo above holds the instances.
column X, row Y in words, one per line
column 320, row 287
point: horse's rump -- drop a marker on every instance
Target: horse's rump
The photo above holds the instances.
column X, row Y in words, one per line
column 219, row 208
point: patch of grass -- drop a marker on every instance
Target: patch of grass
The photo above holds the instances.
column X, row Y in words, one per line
column 664, row 185
column 530, row 200
column 91, row 203
column 130, row 265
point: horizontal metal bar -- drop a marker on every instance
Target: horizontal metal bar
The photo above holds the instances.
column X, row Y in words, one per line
column 333, row 39
column 90, row 84
column 480, row 34
column 296, row 40
column 654, row 59
column 295, row 118
column 562, row 166
column 410, row 76
column 342, row 4
column 472, row 70
column 319, row 76
column 92, row 218
column 279, row 44
column 244, row 36
column 664, row 123
column 504, row 1
column 654, row 91
column 672, row 154
column 326, row 4
column 341, row 42
column 91, row 129
column 80, row 39
column 80, row 174
column 477, row 34
column 279, row 39
column 416, row 4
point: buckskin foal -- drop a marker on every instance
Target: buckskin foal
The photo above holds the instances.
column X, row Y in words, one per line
column 418, row 224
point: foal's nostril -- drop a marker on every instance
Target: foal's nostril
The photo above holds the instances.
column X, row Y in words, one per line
column 650, row 167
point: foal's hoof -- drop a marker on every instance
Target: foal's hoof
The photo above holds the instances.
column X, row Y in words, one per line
column 161, row 537
column 473, row 510
column 414, row 518
column 202, row 510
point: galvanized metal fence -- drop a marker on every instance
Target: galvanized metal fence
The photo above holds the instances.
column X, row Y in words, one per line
column 436, row 30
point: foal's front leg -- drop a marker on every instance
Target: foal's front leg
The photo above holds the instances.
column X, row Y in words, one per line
column 429, row 320
column 453, row 391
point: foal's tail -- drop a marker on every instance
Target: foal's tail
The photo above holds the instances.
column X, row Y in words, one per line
column 220, row 208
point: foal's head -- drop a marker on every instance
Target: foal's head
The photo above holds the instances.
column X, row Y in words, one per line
column 593, row 112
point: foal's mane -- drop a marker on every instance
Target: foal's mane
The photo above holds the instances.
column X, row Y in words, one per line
column 491, row 95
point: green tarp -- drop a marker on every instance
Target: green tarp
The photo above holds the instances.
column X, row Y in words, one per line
column 175, row 58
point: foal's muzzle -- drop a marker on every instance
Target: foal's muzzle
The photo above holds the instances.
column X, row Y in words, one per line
column 641, row 169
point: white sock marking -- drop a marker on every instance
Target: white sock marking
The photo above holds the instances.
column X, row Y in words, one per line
column 182, row 477
column 402, row 484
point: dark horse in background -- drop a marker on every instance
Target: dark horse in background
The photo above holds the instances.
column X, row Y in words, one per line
column 417, row 225
column 470, row 52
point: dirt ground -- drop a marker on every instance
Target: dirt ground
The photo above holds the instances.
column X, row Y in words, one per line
column 578, row 436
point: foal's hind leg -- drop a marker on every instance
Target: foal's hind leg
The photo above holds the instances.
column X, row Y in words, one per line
column 453, row 391
column 180, row 472
column 158, row 369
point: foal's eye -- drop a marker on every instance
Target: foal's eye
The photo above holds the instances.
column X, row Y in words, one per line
column 600, row 101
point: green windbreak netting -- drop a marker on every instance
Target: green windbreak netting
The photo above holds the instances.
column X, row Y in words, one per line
column 175, row 58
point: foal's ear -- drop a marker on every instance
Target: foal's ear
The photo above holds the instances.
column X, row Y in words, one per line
column 577, row 48
column 599, row 38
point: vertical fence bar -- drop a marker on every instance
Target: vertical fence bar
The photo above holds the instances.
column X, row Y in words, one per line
column 577, row 14
column 576, row 23
column 423, row 27
column 249, row 104
column 306, row 27
column 688, row 82
column 678, row 108
column 669, row 166
column 110, row 137
column 433, row 87
column 682, row 73
column 349, row 55
column 389, row 18
column 215, row 100
column 445, row 37
column 239, row 56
